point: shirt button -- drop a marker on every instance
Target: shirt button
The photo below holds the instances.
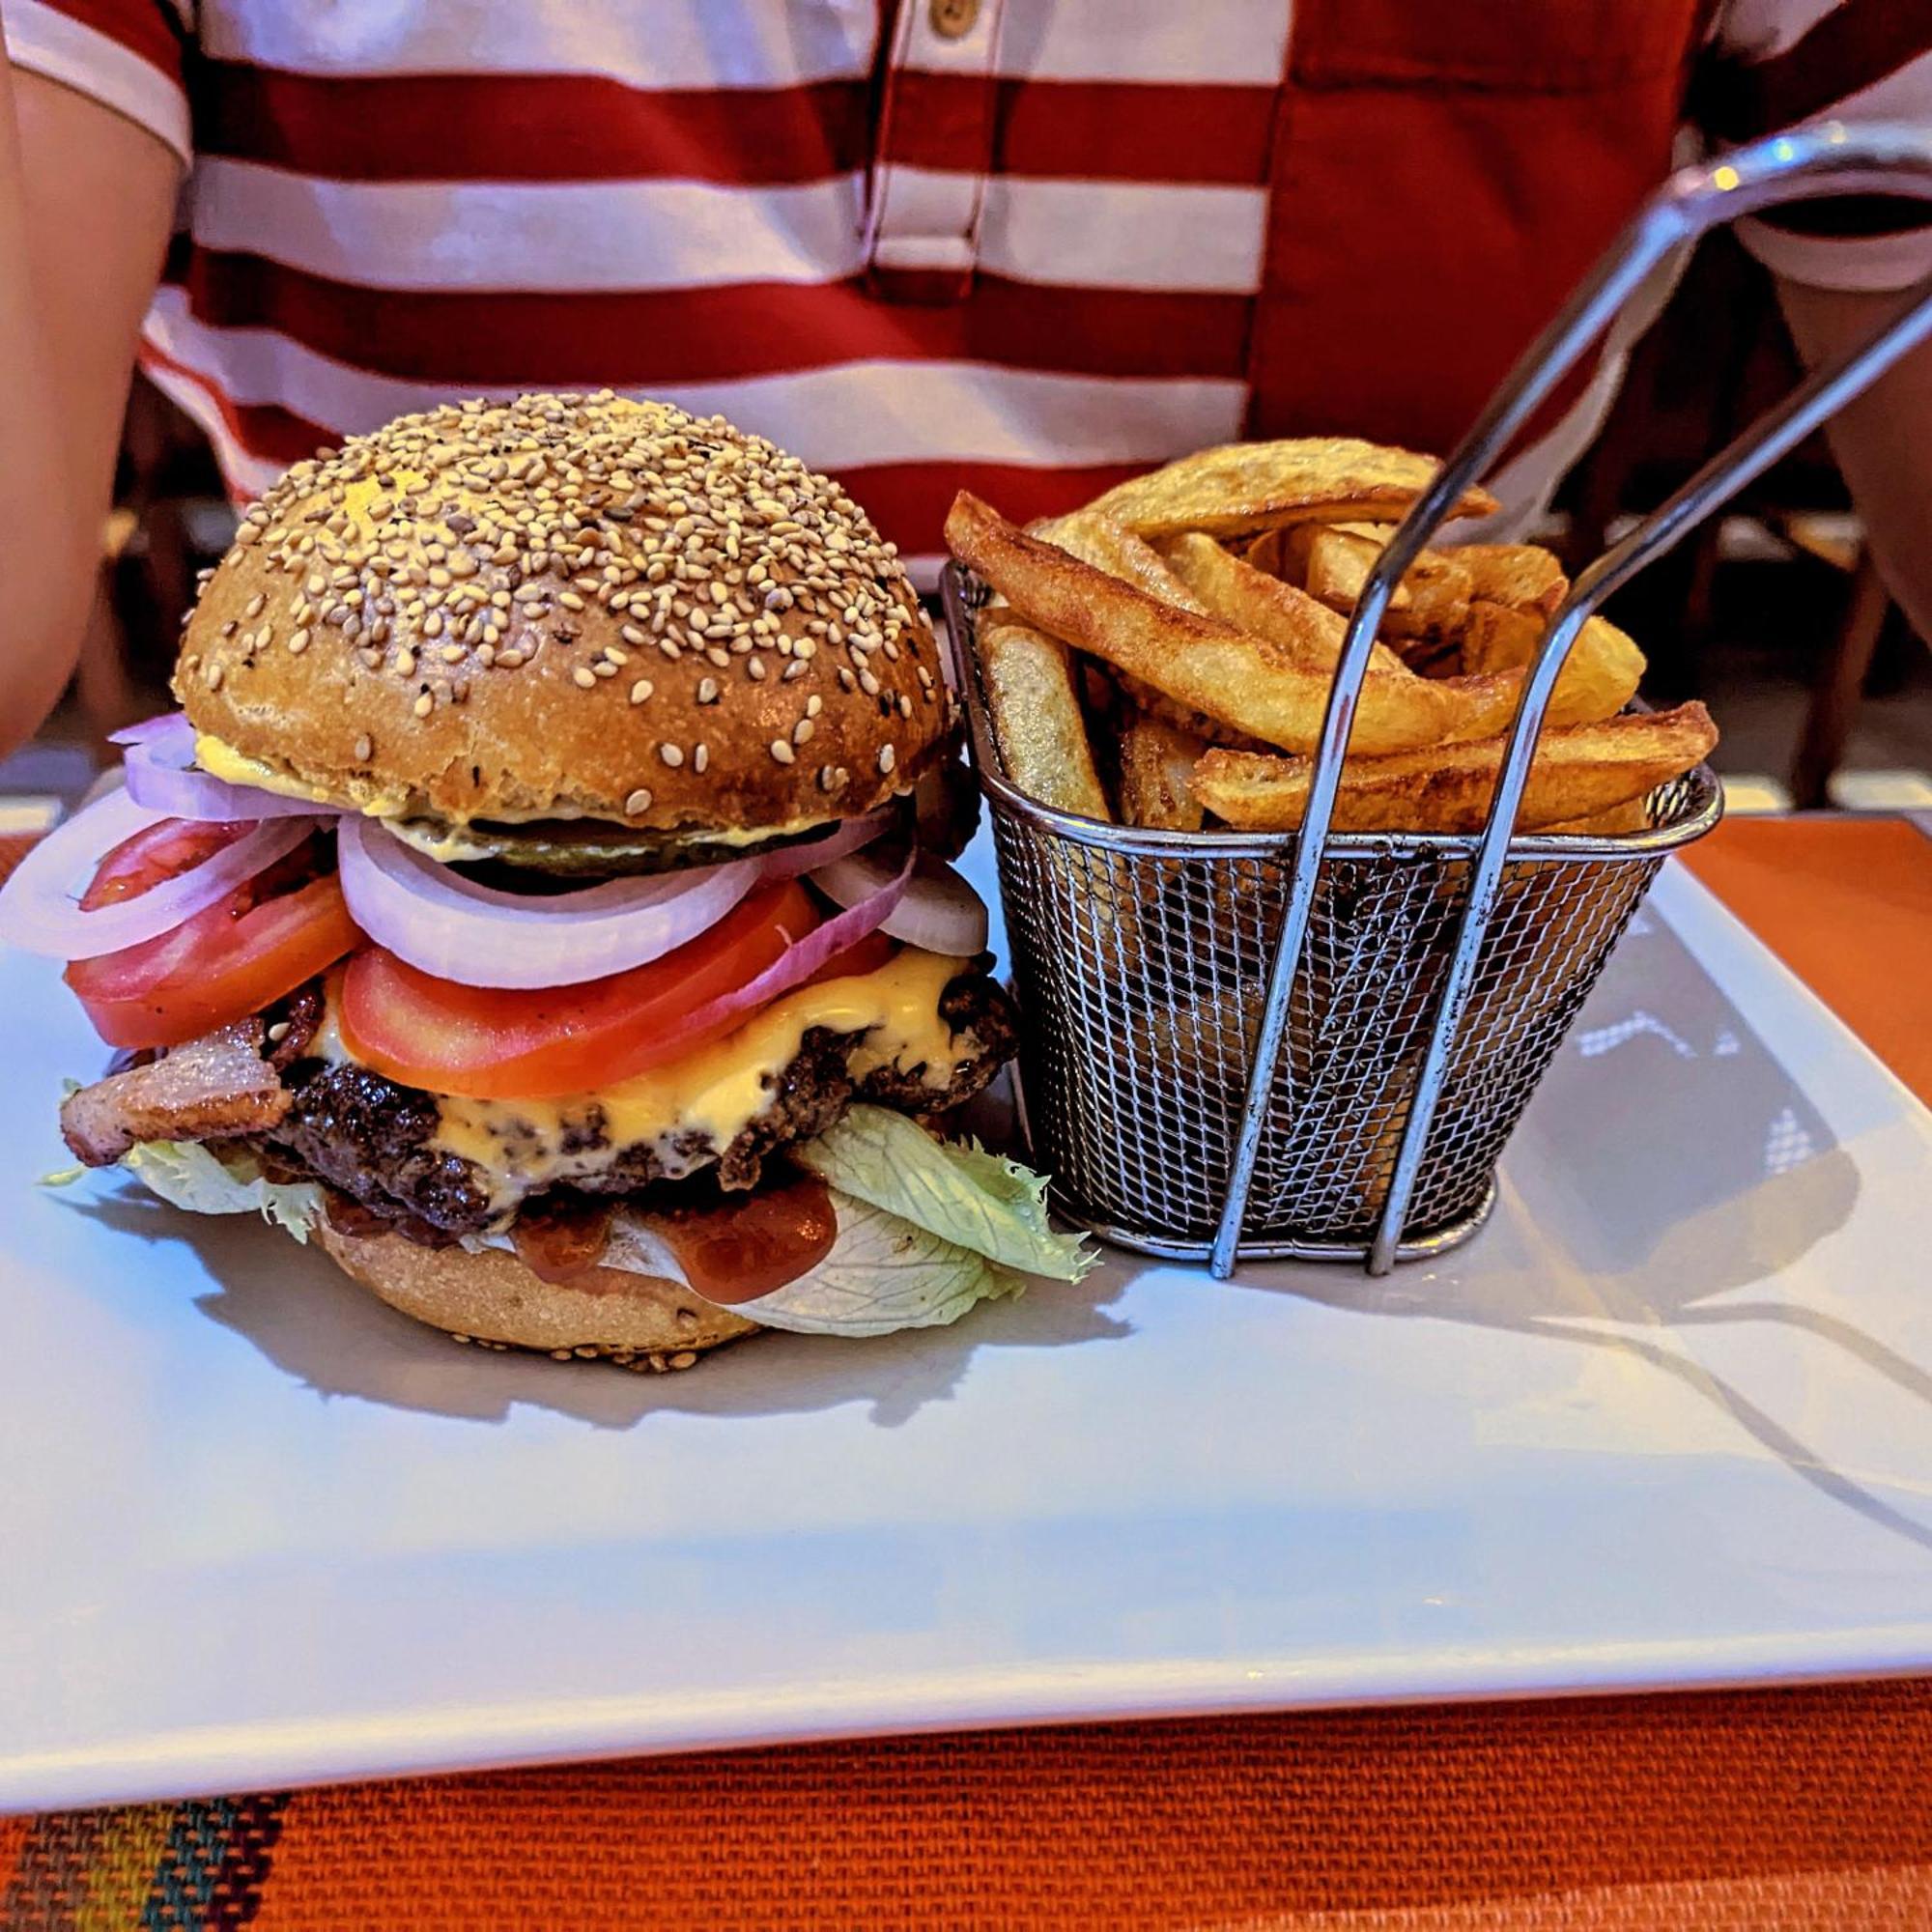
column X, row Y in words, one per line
column 952, row 19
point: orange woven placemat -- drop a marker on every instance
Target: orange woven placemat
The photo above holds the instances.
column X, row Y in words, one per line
column 1787, row 1808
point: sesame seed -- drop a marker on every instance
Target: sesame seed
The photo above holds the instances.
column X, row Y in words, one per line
column 424, row 705
column 212, row 677
column 584, row 677
column 754, row 670
column 637, row 803
column 781, row 751
column 253, row 607
column 794, row 671
column 364, row 749
column 570, row 600
column 905, row 706
column 707, row 690
column 671, row 754
column 813, row 706
column 802, row 731
column 279, row 1033
column 641, row 689
column 701, row 758
column 888, row 758
column 452, row 653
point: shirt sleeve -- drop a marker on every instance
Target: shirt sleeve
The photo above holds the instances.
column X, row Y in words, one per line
column 127, row 54
column 1790, row 61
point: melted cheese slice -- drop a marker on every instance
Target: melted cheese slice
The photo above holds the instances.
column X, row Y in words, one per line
column 522, row 1146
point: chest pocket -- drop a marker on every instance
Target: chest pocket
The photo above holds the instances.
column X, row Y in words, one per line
column 1443, row 172
column 1507, row 46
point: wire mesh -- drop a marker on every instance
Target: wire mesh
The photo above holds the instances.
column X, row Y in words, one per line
column 1141, row 964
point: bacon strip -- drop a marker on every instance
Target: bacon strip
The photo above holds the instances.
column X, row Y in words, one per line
column 210, row 1088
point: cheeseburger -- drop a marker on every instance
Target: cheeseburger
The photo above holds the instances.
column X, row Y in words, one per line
column 540, row 901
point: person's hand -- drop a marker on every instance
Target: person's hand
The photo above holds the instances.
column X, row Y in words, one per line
column 86, row 200
column 1883, row 440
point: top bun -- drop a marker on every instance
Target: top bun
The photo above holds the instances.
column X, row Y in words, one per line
column 567, row 606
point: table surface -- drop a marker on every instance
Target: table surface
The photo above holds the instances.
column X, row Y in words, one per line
column 1791, row 1807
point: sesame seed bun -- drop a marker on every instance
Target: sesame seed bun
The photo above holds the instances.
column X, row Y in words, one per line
column 490, row 1295
column 567, row 606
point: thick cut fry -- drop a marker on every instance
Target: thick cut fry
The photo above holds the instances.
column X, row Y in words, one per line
column 1035, row 711
column 1264, row 606
column 1257, row 486
column 1157, row 759
column 1333, row 562
column 1110, row 546
column 1144, row 697
column 1198, row 662
column 1575, row 773
column 1599, row 678
column 1523, row 576
column 1633, row 815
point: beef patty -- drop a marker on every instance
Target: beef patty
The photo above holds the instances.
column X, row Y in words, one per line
column 373, row 1139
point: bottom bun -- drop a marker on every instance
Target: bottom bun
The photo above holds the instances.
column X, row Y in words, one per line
column 489, row 1295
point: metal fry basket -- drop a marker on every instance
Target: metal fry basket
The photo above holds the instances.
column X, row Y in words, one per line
column 1269, row 1044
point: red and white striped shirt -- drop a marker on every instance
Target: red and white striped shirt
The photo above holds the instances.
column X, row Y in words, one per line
column 1016, row 245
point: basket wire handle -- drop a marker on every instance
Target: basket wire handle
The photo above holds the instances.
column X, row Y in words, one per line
column 1830, row 158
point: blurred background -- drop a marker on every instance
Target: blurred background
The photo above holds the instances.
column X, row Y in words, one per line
column 1771, row 614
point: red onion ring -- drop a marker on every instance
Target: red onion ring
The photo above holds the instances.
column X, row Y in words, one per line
column 444, row 924
column 161, row 774
column 165, row 723
column 786, row 861
column 799, row 961
column 938, row 913
column 40, row 905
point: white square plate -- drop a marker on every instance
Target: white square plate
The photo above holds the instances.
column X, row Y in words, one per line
column 1666, row 1422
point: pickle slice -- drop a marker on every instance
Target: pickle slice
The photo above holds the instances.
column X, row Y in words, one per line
column 584, row 849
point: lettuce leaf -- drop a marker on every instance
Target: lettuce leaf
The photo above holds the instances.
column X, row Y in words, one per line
column 188, row 1175
column 883, row 1274
column 967, row 1197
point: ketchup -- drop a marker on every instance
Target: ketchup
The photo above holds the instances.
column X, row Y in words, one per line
column 559, row 1242
column 742, row 1249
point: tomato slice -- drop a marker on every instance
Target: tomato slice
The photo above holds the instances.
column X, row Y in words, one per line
column 489, row 1044
column 492, row 1044
column 231, row 959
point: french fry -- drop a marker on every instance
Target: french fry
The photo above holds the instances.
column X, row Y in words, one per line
column 1633, row 815
column 1200, row 662
column 1523, row 575
column 1157, row 759
column 1109, row 546
column 1575, row 773
column 1036, row 712
column 1257, row 486
column 1600, row 677
column 1264, row 606
column 1335, row 564
column 1431, row 601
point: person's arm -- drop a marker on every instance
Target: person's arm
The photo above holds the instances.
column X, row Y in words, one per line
column 86, row 202
column 1883, row 440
